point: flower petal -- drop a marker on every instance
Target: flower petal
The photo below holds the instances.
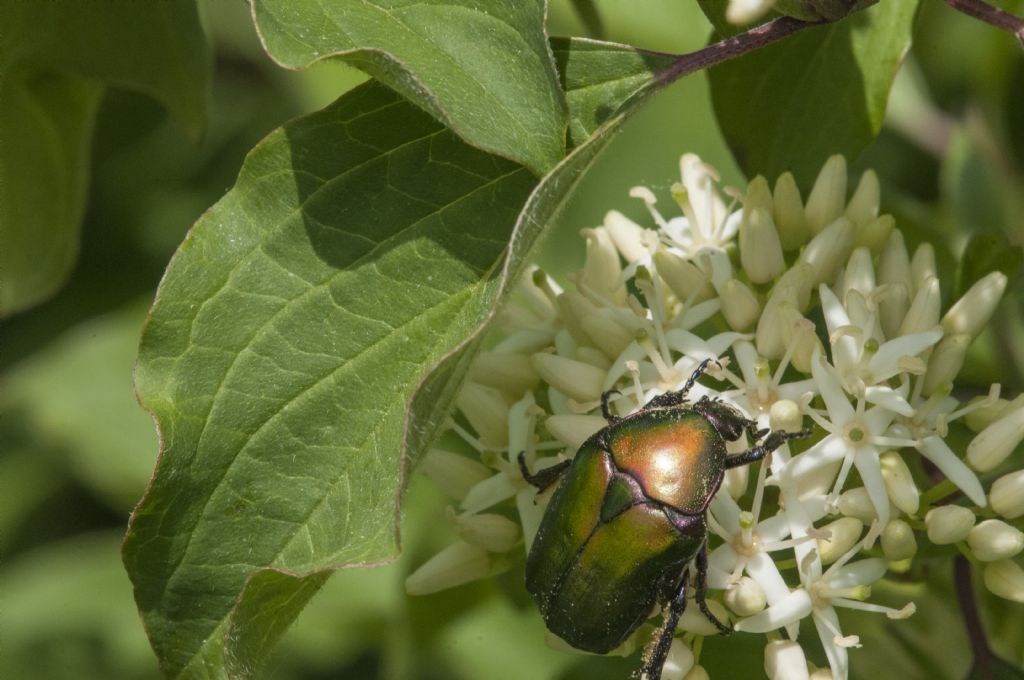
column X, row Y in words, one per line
column 870, row 469
column 794, row 607
column 885, row 363
column 937, row 451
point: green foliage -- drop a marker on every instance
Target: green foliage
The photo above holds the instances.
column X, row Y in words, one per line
column 313, row 327
column 55, row 59
column 484, row 69
column 791, row 105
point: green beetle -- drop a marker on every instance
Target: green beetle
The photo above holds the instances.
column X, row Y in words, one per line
column 628, row 518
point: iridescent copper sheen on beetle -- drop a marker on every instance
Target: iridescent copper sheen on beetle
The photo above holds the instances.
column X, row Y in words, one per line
column 627, row 519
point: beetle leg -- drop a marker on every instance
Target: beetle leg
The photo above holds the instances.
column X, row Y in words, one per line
column 657, row 649
column 773, row 441
column 702, row 589
column 543, row 478
column 612, row 419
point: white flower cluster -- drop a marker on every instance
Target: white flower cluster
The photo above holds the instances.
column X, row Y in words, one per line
column 818, row 315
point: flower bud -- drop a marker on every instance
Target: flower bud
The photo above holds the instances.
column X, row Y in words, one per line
column 697, row 673
column 785, row 415
column 948, row 524
column 745, row 597
column 459, row 563
column 1005, row 578
column 997, row 441
column 506, row 371
column 924, row 310
column 694, row 621
column 994, row 539
column 798, row 333
column 894, row 269
column 573, row 307
column 898, row 541
column 768, row 334
column 789, row 213
column 1007, row 495
column 945, row 362
column 575, row 379
column 487, row 411
column 493, row 533
column 829, row 249
column 981, row 417
column 828, row 196
column 678, row 662
column 455, row 475
column 594, row 357
column 845, row 532
column 785, row 660
column 873, row 235
column 863, row 206
column 684, row 278
column 573, row 430
column 629, row 237
column 970, row 313
column 735, row 481
column 922, row 265
column 490, row 492
column 760, row 247
column 860, row 273
column 899, row 482
column 602, row 267
column 857, row 503
column 606, row 333
column 739, row 305
column 743, row 13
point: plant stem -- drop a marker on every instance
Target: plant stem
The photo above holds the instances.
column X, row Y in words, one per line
column 981, row 10
column 972, row 621
column 736, row 46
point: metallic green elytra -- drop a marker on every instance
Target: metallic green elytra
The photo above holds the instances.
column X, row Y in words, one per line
column 627, row 519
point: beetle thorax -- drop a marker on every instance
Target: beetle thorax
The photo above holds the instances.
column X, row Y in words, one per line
column 676, row 457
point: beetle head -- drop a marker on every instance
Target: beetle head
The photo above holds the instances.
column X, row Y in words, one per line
column 729, row 422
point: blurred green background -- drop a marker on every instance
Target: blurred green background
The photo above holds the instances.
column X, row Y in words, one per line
column 76, row 450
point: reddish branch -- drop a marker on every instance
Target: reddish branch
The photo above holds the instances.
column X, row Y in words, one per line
column 736, row 46
column 981, row 10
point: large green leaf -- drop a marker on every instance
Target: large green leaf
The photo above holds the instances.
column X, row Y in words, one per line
column 482, row 68
column 55, row 57
column 791, row 105
column 360, row 247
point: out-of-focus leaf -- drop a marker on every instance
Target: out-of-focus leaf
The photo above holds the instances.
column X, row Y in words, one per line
column 68, row 614
column 791, row 105
column 77, row 396
column 484, row 69
column 987, row 251
column 54, row 60
column 598, row 77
